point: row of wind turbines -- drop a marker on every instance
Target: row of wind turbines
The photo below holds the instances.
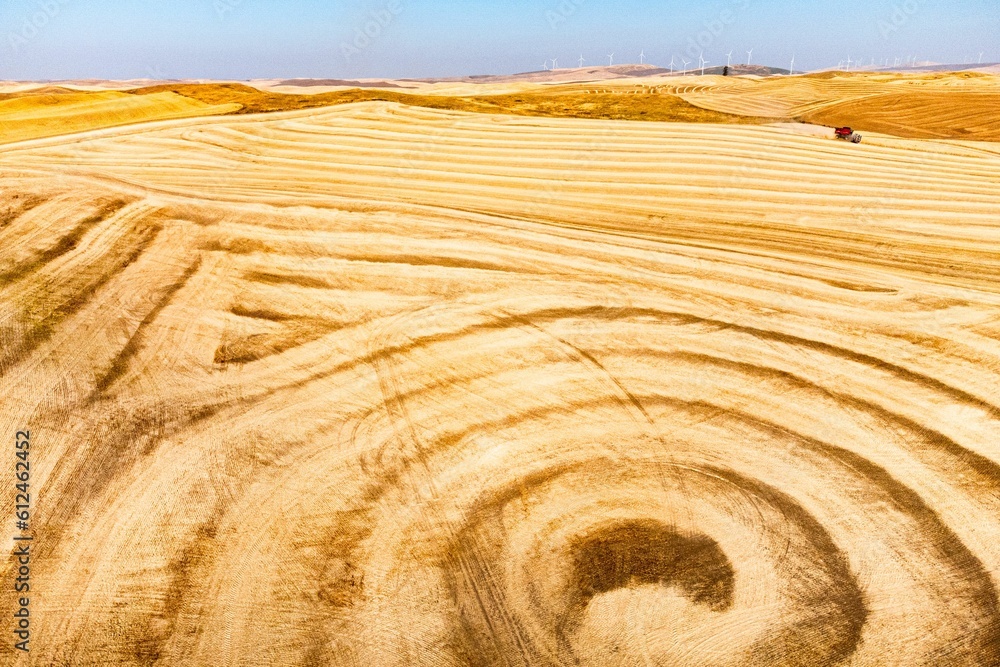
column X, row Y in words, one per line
column 909, row 61
column 642, row 61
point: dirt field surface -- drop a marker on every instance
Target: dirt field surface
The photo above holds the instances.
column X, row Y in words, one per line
column 382, row 384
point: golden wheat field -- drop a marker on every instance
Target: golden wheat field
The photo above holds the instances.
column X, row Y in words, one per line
column 384, row 384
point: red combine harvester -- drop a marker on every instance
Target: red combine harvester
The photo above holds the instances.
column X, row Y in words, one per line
column 848, row 134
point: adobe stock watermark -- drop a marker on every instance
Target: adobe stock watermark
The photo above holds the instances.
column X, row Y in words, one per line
column 740, row 176
column 418, row 154
column 155, row 73
column 47, row 11
column 377, row 22
column 223, row 7
column 870, row 213
column 902, row 14
column 562, row 13
column 586, row 156
column 715, row 28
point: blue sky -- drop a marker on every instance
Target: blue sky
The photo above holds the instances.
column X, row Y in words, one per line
column 242, row 39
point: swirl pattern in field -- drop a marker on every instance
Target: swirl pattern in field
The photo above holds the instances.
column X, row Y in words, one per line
column 396, row 386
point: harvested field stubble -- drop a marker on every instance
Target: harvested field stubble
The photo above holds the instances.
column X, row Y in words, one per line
column 394, row 385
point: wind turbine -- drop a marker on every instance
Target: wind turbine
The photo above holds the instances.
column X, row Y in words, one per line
column 729, row 59
column 581, row 60
column 611, row 59
column 749, row 54
column 849, row 61
column 685, row 66
column 703, row 63
column 545, row 66
column 555, row 63
column 791, row 68
column 642, row 57
column 981, row 57
column 671, row 64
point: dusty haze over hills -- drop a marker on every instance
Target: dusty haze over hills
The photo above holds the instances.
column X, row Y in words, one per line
column 391, row 39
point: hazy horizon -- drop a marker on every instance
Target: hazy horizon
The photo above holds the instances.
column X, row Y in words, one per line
column 250, row 39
